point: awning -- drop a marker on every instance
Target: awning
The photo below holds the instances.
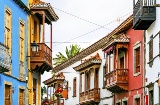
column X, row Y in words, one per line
column 109, row 49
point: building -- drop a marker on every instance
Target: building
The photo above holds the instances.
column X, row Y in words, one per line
column 39, row 54
column 124, row 70
column 148, row 21
column 92, row 81
column 13, row 51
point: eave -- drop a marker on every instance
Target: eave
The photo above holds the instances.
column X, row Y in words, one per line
column 23, row 6
column 87, row 64
column 47, row 8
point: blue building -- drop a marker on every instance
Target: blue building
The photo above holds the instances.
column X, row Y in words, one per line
column 13, row 52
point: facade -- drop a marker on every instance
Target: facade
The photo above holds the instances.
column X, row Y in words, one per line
column 124, row 68
column 91, row 80
column 149, row 22
column 13, row 49
column 39, row 58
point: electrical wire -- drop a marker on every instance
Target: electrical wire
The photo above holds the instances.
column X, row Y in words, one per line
column 91, row 30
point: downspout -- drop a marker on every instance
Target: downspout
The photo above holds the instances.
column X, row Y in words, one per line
column 144, row 67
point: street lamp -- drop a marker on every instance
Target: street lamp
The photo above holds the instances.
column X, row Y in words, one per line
column 34, row 46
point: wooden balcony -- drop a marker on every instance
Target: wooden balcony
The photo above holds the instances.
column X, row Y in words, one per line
column 144, row 14
column 90, row 97
column 117, row 80
column 42, row 60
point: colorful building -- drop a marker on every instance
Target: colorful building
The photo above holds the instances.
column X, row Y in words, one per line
column 13, row 51
column 148, row 20
column 39, row 58
column 124, row 69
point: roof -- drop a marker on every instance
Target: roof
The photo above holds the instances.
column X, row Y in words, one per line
column 96, row 46
column 116, row 38
column 94, row 60
column 39, row 5
column 56, row 77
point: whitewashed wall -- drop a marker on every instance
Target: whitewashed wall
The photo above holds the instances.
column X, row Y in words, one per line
column 152, row 72
column 70, row 73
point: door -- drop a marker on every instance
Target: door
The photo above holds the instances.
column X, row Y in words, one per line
column 7, row 94
column 21, row 97
column 34, row 90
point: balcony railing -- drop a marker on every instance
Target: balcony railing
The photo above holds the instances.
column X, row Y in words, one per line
column 42, row 57
column 90, row 96
column 144, row 14
column 5, row 59
column 117, row 80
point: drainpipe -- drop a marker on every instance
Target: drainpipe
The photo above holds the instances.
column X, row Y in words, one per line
column 144, row 66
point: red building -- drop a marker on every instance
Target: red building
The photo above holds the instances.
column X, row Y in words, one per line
column 124, row 71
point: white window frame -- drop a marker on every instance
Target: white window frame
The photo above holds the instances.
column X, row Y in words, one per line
column 135, row 46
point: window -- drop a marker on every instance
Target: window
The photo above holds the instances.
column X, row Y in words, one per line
column 21, row 36
column 21, row 96
column 151, row 102
column 151, row 48
column 74, row 87
column 125, row 101
column 137, row 99
column 8, row 23
column 136, row 54
column 137, row 60
column 87, row 80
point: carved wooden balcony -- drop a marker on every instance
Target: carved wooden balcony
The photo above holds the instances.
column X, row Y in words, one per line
column 117, row 80
column 42, row 60
column 144, row 14
column 90, row 97
column 5, row 59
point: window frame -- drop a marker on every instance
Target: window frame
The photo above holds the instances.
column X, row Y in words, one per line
column 8, row 29
column 136, row 46
column 137, row 96
column 21, row 40
column 124, row 99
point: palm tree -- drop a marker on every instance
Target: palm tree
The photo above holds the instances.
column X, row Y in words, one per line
column 70, row 52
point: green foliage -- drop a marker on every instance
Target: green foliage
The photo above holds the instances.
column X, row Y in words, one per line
column 70, row 52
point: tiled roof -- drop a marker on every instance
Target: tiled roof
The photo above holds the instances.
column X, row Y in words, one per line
column 39, row 5
column 88, row 62
column 116, row 38
column 125, row 25
column 53, row 79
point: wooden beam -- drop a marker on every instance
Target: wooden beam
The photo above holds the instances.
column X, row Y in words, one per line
column 43, row 31
column 51, row 36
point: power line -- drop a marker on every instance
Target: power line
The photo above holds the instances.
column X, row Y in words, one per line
column 93, row 30
column 82, row 19
column 68, row 42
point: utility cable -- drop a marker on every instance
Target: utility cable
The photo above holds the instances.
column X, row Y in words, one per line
column 82, row 19
column 92, row 30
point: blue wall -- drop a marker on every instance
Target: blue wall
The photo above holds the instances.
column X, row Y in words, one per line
column 17, row 13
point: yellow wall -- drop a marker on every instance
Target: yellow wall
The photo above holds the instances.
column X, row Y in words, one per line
column 31, row 37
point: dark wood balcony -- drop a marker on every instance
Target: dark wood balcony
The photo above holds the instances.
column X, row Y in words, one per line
column 144, row 14
column 117, row 80
column 42, row 60
column 90, row 96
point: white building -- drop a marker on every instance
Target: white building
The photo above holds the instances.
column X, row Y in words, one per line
column 146, row 17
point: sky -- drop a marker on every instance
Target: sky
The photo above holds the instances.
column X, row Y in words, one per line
column 84, row 22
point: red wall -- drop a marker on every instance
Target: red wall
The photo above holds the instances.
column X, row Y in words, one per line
column 135, row 83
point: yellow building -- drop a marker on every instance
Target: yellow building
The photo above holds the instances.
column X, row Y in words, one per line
column 39, row 60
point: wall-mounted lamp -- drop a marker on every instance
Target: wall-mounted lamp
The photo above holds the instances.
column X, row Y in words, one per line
column 34, row 46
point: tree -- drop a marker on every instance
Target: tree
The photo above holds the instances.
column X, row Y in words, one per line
column 70, row 52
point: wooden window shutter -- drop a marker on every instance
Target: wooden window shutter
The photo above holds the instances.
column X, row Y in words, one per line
column 151, row 48
column 74, row 87
column 137, row 57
